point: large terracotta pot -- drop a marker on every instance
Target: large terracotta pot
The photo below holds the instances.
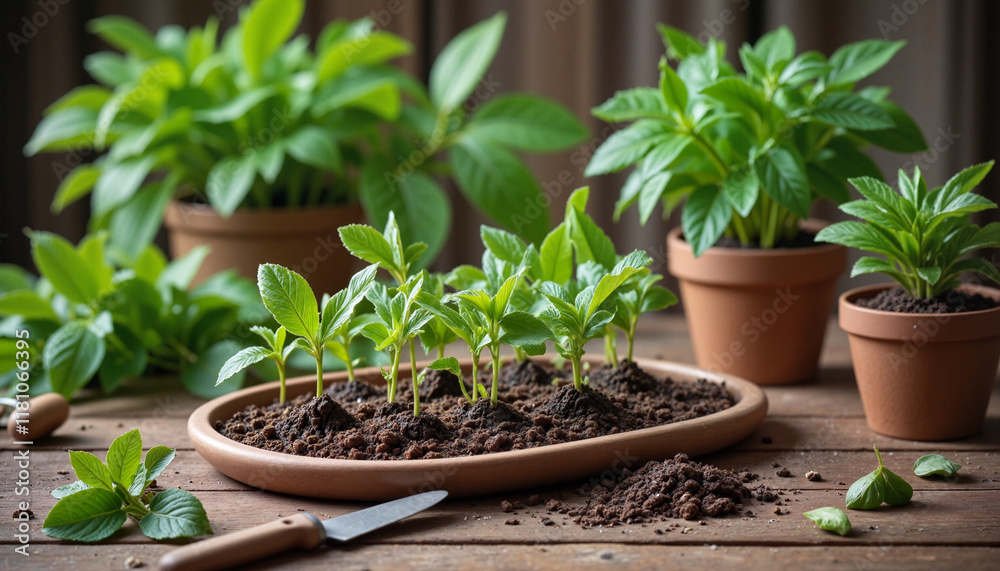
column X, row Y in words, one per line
column 304, row 240
column 923, row 376
column 758, row 314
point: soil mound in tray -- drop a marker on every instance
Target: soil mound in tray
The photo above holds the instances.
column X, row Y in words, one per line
column 898, row 300
column 362, row 426
column 626, row 377
column 675, row 488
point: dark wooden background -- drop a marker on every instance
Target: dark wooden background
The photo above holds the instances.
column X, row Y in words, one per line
column 578, row 52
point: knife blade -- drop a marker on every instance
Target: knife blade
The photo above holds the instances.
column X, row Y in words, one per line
column 300, row 531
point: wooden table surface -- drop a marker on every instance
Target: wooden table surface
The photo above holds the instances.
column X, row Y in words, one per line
column 818, row 425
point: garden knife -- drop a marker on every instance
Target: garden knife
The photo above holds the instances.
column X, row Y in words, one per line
column 300, row 531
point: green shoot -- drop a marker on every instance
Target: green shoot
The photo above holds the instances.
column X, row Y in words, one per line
column 275, row 350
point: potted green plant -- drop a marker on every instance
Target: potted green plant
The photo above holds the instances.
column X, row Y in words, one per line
column 925, row 351
column 262, row 146
column 748, row 153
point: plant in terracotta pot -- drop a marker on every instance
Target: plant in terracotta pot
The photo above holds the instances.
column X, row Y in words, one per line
column 263, row 145
column 747, row 153
column 926, row 351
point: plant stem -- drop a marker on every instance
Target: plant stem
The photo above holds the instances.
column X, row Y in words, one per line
column 741, row 230
column 394, row 374
column 630, row 335
column 319, row 372
column 475, row 376
column 495, row 353
column 281, row 379
column 414, row 379
column 577, row 379
column 610, row 352
column 440, row 351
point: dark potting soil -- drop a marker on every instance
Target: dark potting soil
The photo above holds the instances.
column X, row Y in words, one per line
column 801, row 240
column 353, row 421
column 899, row 300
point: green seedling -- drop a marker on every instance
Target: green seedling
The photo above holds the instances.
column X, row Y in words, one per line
column 275, row 350
column 340, row 343
column 924, row 235
column 882, row 485
column 399, row 321
column 466, row 326
column 106, row 495
column 436, row 335
column 576, row 319
column 291, row 301
column 385, row 249
column 640, row 295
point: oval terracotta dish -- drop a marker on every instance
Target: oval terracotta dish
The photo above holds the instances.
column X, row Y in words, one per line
column 375, row 480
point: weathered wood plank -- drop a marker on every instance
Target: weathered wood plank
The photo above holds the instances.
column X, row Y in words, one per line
column 980, row 471
column 558, row 557
column 935, row 517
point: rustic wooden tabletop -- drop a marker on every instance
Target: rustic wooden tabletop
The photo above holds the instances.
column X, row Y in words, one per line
column 818, row 425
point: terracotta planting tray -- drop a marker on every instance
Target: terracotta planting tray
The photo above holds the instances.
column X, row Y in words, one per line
column 374, row 480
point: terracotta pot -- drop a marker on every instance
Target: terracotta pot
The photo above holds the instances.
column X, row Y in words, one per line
column 923, row 376
column 758, row 314
column 469, row 475
column 304, row 240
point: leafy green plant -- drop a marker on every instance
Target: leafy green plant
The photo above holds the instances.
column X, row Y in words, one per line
column 275, row 350
column 882, row 485
column 385, row 249
column 830, row 519
column 399, row 322
column 935, row 465
column 292, row 302
column 93, row 312
column 436, row 334
column 922, row 234
column 639, row 295
column 259, row 119
column 465, row 325
column 749, row 152
column 99, row 503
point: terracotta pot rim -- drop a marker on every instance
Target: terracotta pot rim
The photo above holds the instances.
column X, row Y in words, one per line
column 384, row 479
column 881, row 324
column 759, row 267
column 202, row 219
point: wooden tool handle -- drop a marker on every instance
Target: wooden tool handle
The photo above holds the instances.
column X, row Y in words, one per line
column 300, row 531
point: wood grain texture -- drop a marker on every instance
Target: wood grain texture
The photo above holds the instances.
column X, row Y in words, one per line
column 814, row 426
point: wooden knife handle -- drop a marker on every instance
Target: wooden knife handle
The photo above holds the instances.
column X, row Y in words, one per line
column 300, row 531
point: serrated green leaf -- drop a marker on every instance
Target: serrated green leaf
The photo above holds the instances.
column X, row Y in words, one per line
column 741, row 188
column 72, row 355
column 124, row 456
column 856, row 61
column 522, row 329
column 631, row 104
column 528, row 122
column 705, row 217
column 69, row 489
column 91, row 471
column 625, row 147
column 290, row 300
column 157, row 459
column 449, row 364
column 782, row 175
column 672, row 89
column 241, row 361
column 87, row 515
column 851, row 111
column 175, row 513
column 556, row 255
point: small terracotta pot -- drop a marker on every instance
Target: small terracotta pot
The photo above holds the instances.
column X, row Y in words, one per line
column 758, row 314
column 304, row 240
column 923, row 376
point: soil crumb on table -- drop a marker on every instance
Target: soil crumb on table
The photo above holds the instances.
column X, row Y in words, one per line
column 537, row 407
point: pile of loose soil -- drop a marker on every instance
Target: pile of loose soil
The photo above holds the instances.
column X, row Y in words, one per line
column 898, row 300
column 675, row 488
column 538, row 407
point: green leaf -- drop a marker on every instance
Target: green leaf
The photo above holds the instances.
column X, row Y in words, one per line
column 423, row 210
column 625, row 147
column 63, row 130
column 157, row 459
column 500, row 185
column 657, row 298
column 935, row 465
column 741, row 188
column 679, row 44
column 87, row 515
column 869, row 265
column 851, row 111
column 782, row 176
column 122, row 362
column 229, row 181
column 589, row 241
column 27, row 304
column 314, row 146
column 371, row 49
column 672, row 88
column 118, row 182
column 76, row 185
column 373, row 93
column 64, row 267
column 867, row 493
column 199, row 378
column 897, row 491
column 903, row 137
column 856, row 61
column 134, row 224
column 236, row 108
column 111, row 68
column 124, row 456
column 806, row 67
column 91, row 97
column 126, row 35
column 556, row 256
column 175, row 513
column 72, row 355
column 961, row 183
column 705, row 217
column 449, row 364
column 91, row 471
column 462, row 63
column 504, row 245
column 181, row 271
column 631, row 104
column 241, row 361
column 267, row 26
column 523, row 329
column 930, row 275
column 665, row 151
column 14, row 278
column 775, row 46
column 830, row 519
column 738, row 95
column 69, row 489
column 340, row 307
column 527, row 122
column 290, row 300
column 368, row 244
